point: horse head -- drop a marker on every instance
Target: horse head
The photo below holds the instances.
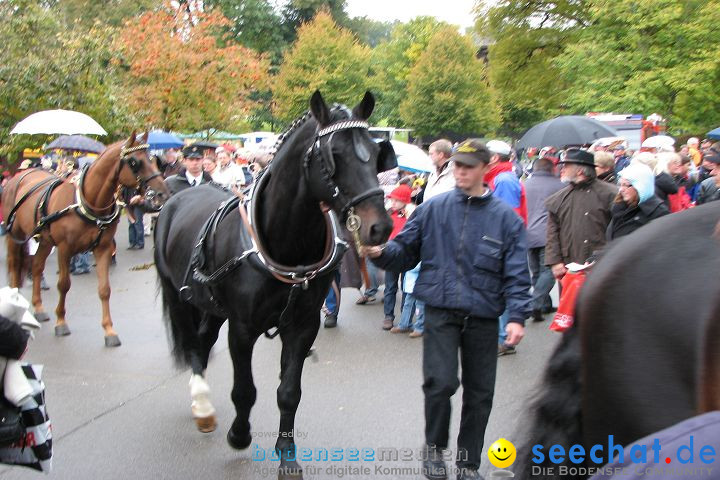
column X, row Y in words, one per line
column 342, row 164
column 137, row 170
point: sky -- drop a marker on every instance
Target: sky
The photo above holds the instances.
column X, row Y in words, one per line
column 457, row 12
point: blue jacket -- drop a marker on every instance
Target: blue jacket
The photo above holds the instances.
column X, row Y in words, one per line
column 473, row 253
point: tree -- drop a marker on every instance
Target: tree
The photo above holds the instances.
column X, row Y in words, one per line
column 324, row 57
column 370, row 32
column 297, row 12
column 47, row 66
column 524, row 38
column 447, row 89
column 655, row 56
column 178, row 78
column 393, row 60
column 83, row 14
column 254, row 24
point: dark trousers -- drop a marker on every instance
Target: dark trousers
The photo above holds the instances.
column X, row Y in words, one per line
column 541, row 278
column 446, row 332
column 392, row 280
column 136, row 230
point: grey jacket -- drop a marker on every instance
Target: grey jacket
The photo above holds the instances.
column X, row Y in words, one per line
column 537, row 189
column 709, row 191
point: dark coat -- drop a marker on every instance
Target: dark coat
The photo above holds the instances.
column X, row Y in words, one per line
column 13, row 339
column 626, row 220
column 179, row 182
column 537, row 189
column 709, row 191
column 578, row 216
column 473, row 253
column 664, row 186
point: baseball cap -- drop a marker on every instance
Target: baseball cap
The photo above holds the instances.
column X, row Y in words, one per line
column 471, row 152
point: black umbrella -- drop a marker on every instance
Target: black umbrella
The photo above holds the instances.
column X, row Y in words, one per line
column 565, row 130
column 80, row 143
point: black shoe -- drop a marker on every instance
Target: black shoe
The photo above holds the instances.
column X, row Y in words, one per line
column 330, row 321
column 132, row 247
column 537, row 316
column 433, row 466
column 465, row 473
column 549, row 310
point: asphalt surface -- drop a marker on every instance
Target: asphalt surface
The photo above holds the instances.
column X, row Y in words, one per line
column 124, row 413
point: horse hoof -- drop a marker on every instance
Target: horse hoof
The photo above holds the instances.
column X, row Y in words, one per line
column 42, row 317
column 238, row 443
column 112, row 341
column 62, row 330
column 206, row 424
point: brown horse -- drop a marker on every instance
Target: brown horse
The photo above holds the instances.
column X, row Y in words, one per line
column 76, row 215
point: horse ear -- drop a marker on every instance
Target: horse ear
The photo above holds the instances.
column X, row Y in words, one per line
column 319, row 108
column 130, row 141
column 365, row 108
column 144, row 138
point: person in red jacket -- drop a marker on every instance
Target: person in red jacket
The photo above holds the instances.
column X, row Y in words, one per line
column 399, row 199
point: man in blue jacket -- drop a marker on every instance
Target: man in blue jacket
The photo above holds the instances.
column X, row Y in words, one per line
column 474, row 265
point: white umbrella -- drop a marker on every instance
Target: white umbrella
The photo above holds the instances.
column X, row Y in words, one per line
column 65, row 122
column 411, row 157
column 659, row 141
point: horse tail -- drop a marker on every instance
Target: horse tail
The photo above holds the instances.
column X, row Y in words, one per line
column 180, row 317
column 17, row 259
column 554, row 417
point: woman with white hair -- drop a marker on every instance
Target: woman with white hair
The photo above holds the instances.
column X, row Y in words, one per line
column 636, row 203
column 657, row 163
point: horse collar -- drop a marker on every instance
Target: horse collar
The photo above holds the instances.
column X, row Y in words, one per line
column 85, row 210
column 294, row 275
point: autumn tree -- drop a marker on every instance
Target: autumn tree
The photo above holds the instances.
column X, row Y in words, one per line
column 324, row 57
column 392, row 62
column 524, row 39
column 297, row 12
column 648, row 56
column 447, row 90
column 177, row 76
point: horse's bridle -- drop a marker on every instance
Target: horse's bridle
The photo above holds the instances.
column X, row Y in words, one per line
column 323, row 154
column 135, row 164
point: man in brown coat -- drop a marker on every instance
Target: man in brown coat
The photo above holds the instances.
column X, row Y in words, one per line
column 578, row 215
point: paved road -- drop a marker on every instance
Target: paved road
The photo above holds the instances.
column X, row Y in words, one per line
column 125, row 412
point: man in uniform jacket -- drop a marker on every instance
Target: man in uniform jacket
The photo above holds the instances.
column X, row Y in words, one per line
column 578, row 215
column 474, row 265
column 192, row 174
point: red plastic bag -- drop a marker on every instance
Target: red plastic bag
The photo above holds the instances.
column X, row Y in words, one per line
column 565, row 315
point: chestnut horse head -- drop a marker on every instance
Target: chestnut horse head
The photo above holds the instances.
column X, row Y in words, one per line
column 137, row 170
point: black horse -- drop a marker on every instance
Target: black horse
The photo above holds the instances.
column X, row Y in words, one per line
column 644, row 353
column 270, row 266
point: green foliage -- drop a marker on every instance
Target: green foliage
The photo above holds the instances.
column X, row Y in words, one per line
column 525, row 38
column 370, row 32
column 255, row 24
column 47, row 66
column 297, row 12
column 652, row 56
column 447, row 90
column 392, row 62
column 324, row 57
column 84, row 13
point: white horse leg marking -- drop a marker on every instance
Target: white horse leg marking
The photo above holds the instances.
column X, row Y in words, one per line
column 202, row 410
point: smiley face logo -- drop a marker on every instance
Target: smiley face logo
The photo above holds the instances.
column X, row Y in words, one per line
column 502, row 453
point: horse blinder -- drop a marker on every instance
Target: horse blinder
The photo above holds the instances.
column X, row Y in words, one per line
column 387, row 160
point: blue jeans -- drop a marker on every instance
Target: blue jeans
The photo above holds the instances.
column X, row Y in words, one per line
column 372, row 270
column 541, row 278
column 503, row 321
column 392, row 280
column 412, row 306
column 136, row 230
column 80, row 263
column 332, row 301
